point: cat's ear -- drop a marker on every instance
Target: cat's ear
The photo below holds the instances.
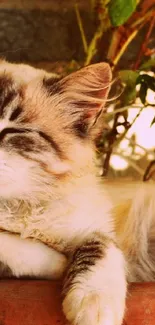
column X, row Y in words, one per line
column 82, row 95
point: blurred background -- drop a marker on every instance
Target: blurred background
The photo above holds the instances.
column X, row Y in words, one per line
column 62, row 36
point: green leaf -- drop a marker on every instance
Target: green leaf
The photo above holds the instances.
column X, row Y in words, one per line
column 121, row 10
column 129, row 95
column 143, row 93
column 146, row 82
column 148, row 64
column 129, row 77
column 149, row 81
column 153, row 121
column 145, row 78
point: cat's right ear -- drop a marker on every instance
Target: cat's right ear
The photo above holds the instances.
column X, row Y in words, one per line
column 81, row 96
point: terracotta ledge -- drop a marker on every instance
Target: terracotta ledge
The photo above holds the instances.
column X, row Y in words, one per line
column 29, row 302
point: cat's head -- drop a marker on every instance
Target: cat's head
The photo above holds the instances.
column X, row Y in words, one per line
column 47, row 126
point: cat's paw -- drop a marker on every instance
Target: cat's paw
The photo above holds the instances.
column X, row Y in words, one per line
column 92, row 308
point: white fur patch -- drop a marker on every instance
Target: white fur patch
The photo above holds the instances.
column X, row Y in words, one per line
column 31, row 258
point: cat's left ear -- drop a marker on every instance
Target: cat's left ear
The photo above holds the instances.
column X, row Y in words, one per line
column 82, row 95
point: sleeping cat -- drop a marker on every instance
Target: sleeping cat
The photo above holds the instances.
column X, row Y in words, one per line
column 97, row 237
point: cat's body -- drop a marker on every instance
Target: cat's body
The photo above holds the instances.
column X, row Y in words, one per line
column 49, row 192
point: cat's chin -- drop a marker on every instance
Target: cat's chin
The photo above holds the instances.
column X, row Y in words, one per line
column 31, row 198
column 10, row 194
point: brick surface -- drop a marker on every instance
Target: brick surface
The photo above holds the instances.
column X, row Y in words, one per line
column 29, row 302
column 42, row 35
column 42, row 4
column 141, row 305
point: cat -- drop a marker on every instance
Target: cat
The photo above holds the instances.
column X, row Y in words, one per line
column 56, row 218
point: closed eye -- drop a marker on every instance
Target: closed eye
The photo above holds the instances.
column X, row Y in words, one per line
column 24, row 143
column 12, row 130
column 26, row 131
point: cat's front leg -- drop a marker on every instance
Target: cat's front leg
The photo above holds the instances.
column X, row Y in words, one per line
column 27, row 257
column 95, row 283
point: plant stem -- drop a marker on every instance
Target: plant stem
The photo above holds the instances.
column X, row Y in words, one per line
column 116, row 37
column 113, row 141
column 126, row 130
column 79, row 20
column 149, row 14
column 131, row 163
column 148, row 174
column 120, row 110
column 92, row 49
column 139, row 146
column 110, row 145
column 144, row 44
column 125, row 45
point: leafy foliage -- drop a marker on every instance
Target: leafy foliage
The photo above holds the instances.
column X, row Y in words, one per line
column 121, row 10
column 153, row 121
column 118, row 23
column 129, row 78
column 149, row 64
column 146, row 82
